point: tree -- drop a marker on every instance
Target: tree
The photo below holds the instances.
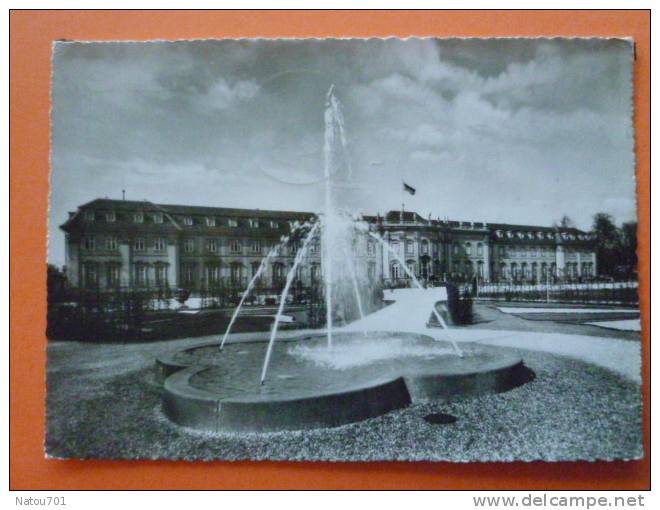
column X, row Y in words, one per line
column 609, row 245
column 564, row 222
column 629, row 246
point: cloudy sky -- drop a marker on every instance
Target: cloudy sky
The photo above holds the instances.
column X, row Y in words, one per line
column 509, row 130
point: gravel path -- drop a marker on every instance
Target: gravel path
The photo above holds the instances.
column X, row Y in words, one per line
column 572, row 410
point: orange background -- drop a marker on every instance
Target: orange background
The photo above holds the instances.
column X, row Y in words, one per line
column 31, row 35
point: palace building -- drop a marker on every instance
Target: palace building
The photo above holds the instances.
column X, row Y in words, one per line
column 120, row 243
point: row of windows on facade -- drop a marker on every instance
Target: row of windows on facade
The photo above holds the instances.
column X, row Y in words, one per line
column 511, row 234
column 212, row 245
column 209, row 221
column 467, row 247
column 424, row 247
column 213, row 274
column 513, row 270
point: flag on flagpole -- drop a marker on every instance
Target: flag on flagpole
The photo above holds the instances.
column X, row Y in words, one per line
column 409, row 189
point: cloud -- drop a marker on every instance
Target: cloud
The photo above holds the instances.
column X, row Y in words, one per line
column 221, row 95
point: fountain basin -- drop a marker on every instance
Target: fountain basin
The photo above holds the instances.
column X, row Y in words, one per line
column 312, row 387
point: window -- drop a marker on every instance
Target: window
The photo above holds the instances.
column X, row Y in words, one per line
column 293, row 247
column 90, row 215
column 235, row 246
column 396, row 271
column 502, row 251
column 255, row 246
column 254, row 223
column 480, row 250
column 158, row 218
column 91, row 275
column 410, row 247
column 189, row 274
column 159, row 244
column 278, row 273
column 111, row 243
column 425, row 247
column 189, row 245
column 212, row 246
column 188, row 221
column 236, row 272
column 138, row 217
column 141, row 274
column 274, row 224
column 371, row 248
column 455, row 249
column 213, row 274
column 480, row 269
column 314, row 248
column 314, row 272
column 161, row 274
column 371, row 270
column 90, row 243
column 255, row 268
column 412, row 267
column 110, row 216
column 139, row 244
column 112, row 275
column 468, row 249
column 233, row 223
column 210, row 221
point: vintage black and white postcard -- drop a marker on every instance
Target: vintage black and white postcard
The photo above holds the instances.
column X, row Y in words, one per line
column 355, row 249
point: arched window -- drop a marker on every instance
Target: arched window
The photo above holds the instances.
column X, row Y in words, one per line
column 480, row 269
column 412, row 267
column 314, row 272
column 425, row 247
column 278, row 273
column 410, row 246
column 480, row 249
column 425, row 267
column 468, row 249
column 395, row 271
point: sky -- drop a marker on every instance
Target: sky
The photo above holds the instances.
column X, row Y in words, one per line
column 499, row 130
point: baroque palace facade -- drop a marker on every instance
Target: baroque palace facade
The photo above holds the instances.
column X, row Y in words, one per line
column 118, row 243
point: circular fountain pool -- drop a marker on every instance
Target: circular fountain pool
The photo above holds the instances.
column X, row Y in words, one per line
column 312, row 386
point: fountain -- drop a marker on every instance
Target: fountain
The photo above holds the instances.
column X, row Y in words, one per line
column 334, row 376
